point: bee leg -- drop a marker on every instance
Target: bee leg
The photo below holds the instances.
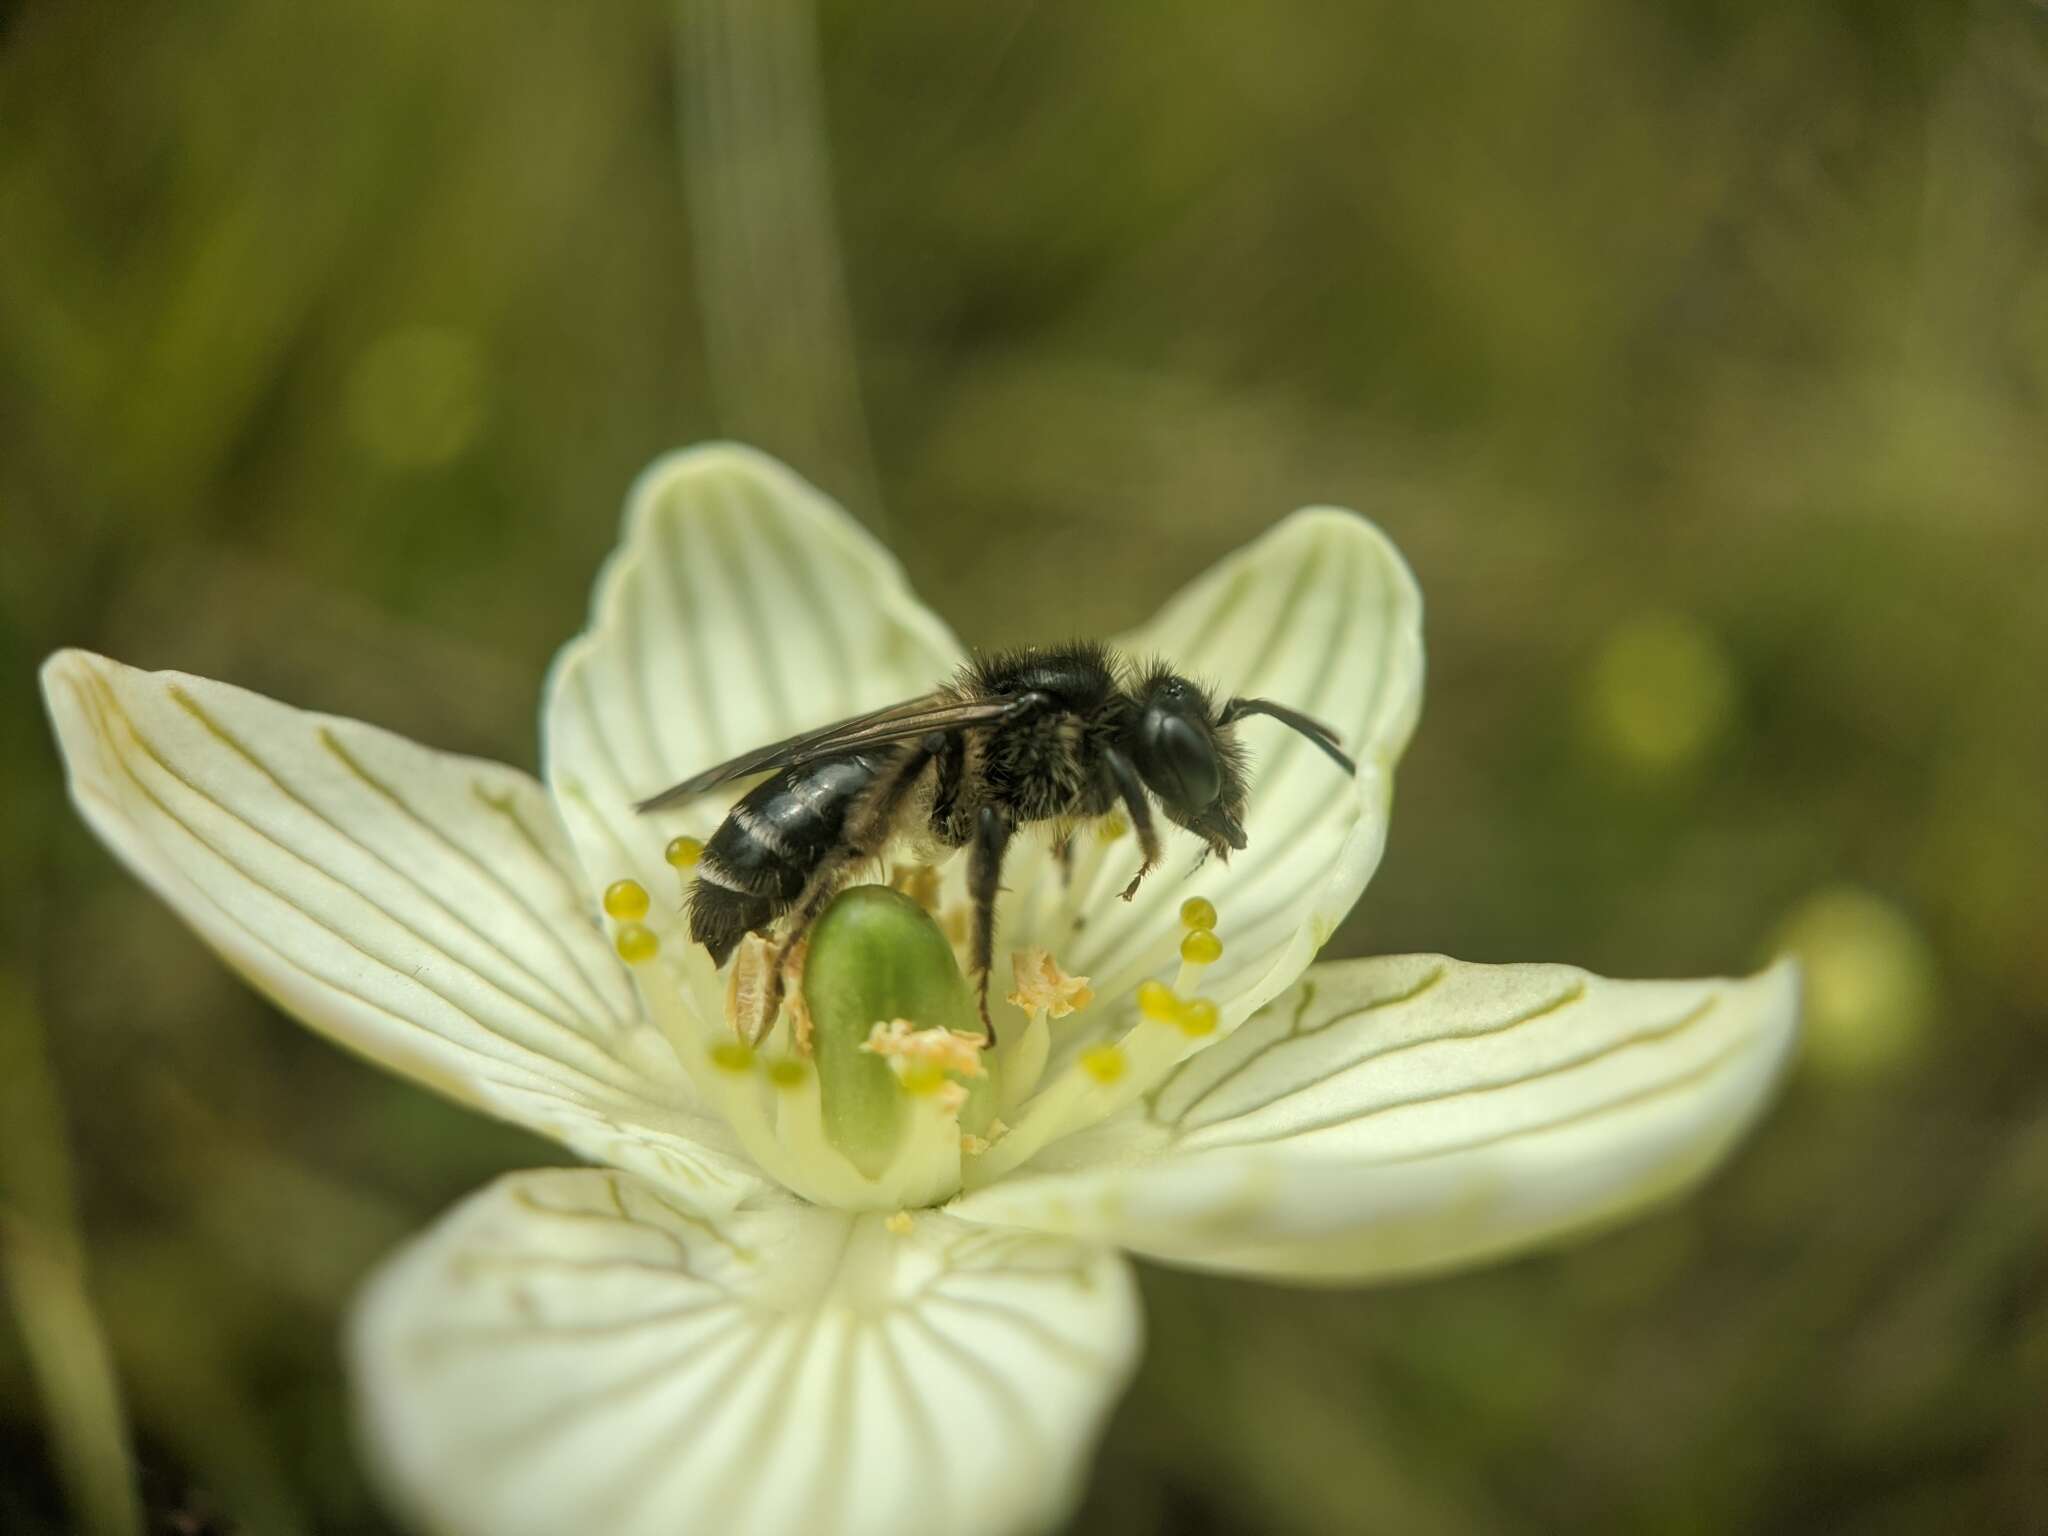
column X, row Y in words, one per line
column 984, row 880
column 752, row 994
column 861, row 842
column 769, row 1004
column 1063, row 852
column 1132, row 789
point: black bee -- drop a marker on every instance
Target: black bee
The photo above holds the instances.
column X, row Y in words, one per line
column 1058, row 735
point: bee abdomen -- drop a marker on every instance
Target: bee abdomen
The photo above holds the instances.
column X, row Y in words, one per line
column 764, row 853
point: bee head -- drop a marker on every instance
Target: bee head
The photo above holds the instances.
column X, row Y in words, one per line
column 1190, row 760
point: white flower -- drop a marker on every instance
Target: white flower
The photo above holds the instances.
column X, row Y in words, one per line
column 733, row 1325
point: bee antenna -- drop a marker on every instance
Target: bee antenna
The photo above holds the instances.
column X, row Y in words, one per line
column 1294, row 719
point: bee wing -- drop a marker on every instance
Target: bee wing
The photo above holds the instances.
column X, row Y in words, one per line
column 894, row 723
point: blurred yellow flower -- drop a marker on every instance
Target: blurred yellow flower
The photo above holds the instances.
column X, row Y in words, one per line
column 1870, row 981
column 1659, row 693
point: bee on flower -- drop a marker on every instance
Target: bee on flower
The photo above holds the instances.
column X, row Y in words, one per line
column 835, row 1263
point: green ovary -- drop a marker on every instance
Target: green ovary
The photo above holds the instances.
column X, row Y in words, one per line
column 876, row 957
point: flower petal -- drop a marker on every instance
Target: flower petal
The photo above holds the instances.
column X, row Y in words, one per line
column 741, row 607
column 1414, row 1113
column 1320, row 614
column 418, row 907
column 569, row 1352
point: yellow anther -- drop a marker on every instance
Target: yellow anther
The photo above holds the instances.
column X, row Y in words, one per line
column 684, row 852
column 1201, row 947
column 954, row 923
column 625, row 900
column 900, row 1224
column 921, row 1078
column 1199, row 913
column 801, row 1027
column 1043, row 988
column 636, row 943
column 1104, row 1063
column 944, row 1050
column 1197, row 1017
column 732, row 1056
column 920, row 882
column 1110, row 828
column 787, row 1072
column 1157, row 1002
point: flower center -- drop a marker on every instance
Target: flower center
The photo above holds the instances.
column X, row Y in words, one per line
column 869, row 1081
column 872, row 1088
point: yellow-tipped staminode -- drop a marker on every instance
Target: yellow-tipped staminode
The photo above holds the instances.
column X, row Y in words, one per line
column 1156, row 1001
column 636, row 942
column 1104, row 1063
column 625, row 900
column 732, row 1056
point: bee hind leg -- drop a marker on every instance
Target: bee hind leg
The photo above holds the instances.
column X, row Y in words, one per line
column 753, row 989
column 867, row 833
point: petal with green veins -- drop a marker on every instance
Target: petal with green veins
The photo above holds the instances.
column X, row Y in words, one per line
column 567, row 1351
column 420, row 908
column 1322, row 615
column 741, row 606
column 1411, row 1114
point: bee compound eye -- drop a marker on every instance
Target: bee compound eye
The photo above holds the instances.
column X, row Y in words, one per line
column 1184, row 760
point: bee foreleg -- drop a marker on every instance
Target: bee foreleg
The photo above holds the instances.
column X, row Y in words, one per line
column 1132, row 790
column 984, row 880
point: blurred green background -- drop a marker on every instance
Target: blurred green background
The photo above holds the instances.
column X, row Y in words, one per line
column 1695, row 352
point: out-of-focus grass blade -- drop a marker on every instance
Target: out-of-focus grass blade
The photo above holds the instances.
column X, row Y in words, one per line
column 43, row 1267
column 770, row 284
